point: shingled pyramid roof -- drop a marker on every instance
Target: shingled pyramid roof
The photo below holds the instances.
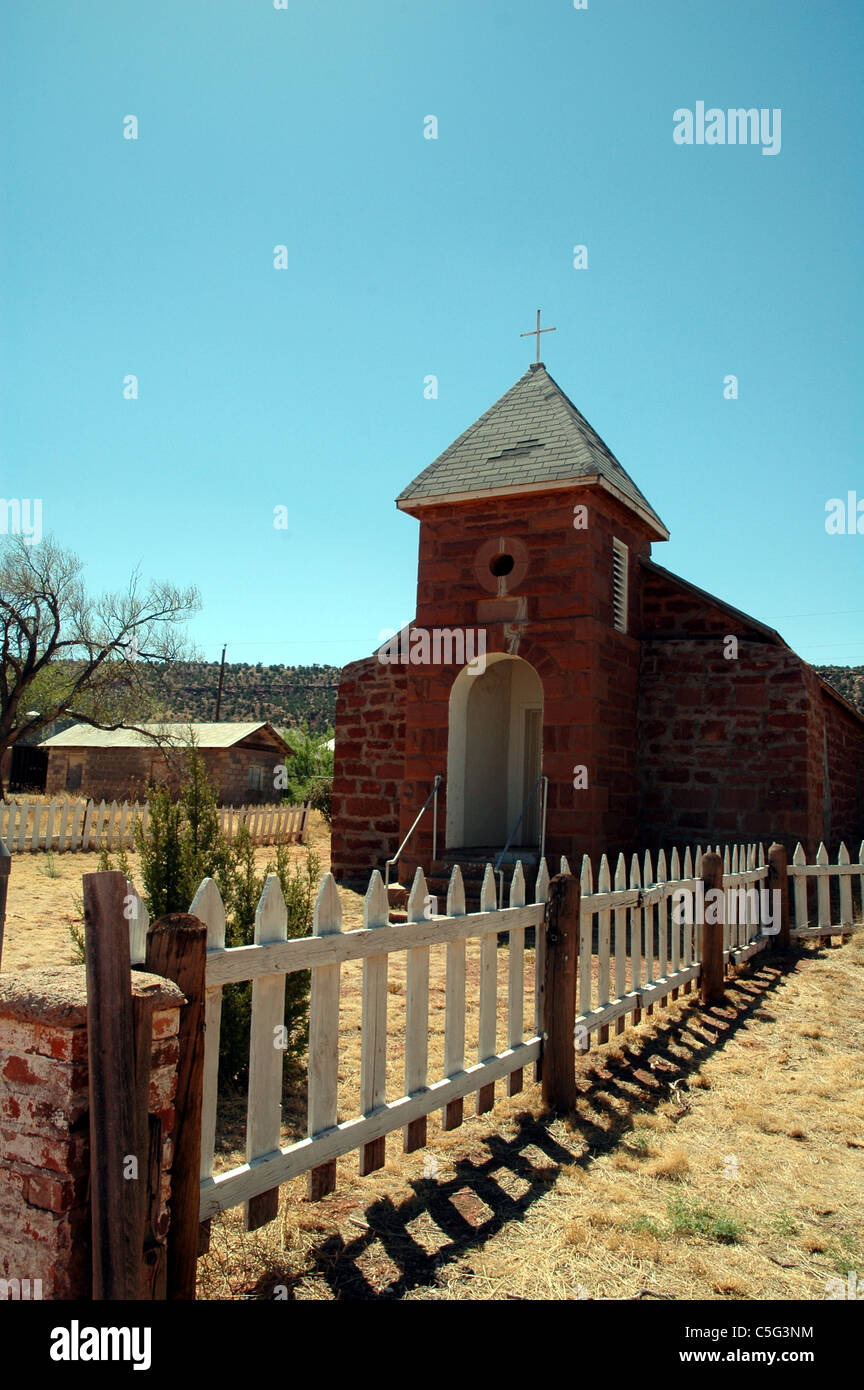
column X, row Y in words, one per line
column 532, row 438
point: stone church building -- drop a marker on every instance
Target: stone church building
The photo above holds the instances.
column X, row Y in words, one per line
column 628, row 708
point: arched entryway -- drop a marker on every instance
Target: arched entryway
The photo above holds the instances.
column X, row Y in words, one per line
column 494, row 753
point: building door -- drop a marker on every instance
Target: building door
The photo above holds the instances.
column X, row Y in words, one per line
column 494, row 750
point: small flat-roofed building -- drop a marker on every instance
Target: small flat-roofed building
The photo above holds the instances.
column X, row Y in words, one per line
column 117, row 764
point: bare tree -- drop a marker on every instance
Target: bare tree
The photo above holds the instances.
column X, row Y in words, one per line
column 66, row 654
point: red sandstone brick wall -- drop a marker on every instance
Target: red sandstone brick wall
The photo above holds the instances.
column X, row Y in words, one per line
column 368, row 768
column 670, row 608
column 844, row 748
column 725, row 746
column 750, row 747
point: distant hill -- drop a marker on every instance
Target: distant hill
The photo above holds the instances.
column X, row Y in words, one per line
column 286, row 695
column 847, row 680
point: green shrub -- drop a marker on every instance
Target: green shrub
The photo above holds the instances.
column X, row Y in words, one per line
column 49, row 866
column 107, row 863
column 160, row 847
column 309, row 768
column 299, row 884
column 241, row 892
column 182, row 844
column 321, row 797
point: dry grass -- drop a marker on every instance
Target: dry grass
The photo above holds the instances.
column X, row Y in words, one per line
column 40, row 908
column 711, row 1155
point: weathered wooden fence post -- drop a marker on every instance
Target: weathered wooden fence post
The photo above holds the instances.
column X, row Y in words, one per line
column 559, row 998
column 5, row 866
column 778, row 878
column 148, row 1149
column 115, row 1127
column 177, row 950
column 712, row 929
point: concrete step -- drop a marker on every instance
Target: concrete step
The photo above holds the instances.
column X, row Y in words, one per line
column 473, row 869
column 473, row 862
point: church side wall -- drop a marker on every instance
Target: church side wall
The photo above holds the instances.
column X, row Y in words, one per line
column 844, row 759
column 368, row 768
column 739, row 744
column 729, row 749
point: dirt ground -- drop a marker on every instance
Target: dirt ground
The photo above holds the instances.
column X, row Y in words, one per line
column 44, row 899
column 712, row 1155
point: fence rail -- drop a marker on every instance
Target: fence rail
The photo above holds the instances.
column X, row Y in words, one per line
column 30, row 825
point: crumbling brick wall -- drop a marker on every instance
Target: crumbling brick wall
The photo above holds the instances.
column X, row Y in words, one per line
column 44, row 1124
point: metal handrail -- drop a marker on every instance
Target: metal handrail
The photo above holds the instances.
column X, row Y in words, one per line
column 497, row 870
column 433, row 795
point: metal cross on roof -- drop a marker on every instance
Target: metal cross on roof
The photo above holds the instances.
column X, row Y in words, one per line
column 536, row 332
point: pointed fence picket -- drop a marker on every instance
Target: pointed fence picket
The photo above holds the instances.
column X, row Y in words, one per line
column 416, row 1014
column 586, row 928
column 516, row 980
column 648, row 928
column 373, row 1050
column 662, row 922
column 454, row 1009
column 139, row 923
column 266, row 1052
column 604, row 947
column 324, row 1036
column 208, row 907
column 677, row 960
column 636, row 939
column 488, row 991
column 541, row 894
column 620, row 939
column 845, row 891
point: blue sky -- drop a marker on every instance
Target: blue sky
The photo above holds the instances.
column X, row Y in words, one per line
column 259, row 387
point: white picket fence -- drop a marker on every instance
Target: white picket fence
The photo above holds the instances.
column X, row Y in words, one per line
column 88, row 825
column 843, row 871
column 627, row 965
column 272, row 957
column 632, row 956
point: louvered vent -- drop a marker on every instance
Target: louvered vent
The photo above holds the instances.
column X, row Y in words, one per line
column 619, row 585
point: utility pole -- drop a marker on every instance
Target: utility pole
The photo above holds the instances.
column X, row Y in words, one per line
column 221, row 678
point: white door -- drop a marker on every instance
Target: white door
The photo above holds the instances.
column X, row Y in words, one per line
column 532, row 754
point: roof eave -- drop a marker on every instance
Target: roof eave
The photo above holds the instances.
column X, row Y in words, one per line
column 411, row 504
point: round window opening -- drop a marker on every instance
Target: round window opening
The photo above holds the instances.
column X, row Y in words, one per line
column 501, row 565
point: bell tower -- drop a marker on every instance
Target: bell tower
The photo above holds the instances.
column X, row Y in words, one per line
column 531, row 536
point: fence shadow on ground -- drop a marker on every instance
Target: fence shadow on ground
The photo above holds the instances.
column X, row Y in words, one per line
column 474, row 1204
